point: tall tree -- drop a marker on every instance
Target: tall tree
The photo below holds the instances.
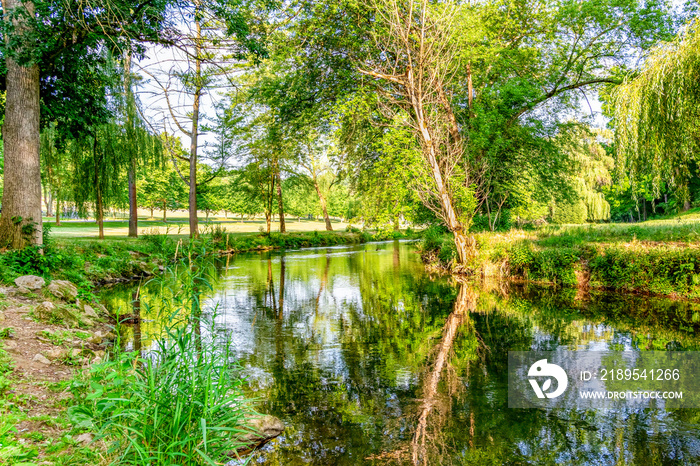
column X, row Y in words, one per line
column 43, row 39
column 217, row 39
column 21, row 221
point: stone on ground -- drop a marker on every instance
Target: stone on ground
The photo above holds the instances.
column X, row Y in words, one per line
column 63, row 289
column 29, row 282
column 42, row 359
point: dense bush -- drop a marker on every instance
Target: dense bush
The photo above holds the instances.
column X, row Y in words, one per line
column 504, row 222
column 659, row 271
column 555, row 265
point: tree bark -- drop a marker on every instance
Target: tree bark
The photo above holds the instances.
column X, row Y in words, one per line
column 280, row 202
column 58, row 211
column 165, row 211
column 133, row 207
column 194, row 221
column 20, row 221
column 322, row 201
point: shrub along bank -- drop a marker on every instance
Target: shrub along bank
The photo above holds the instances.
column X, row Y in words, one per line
column 659, row 260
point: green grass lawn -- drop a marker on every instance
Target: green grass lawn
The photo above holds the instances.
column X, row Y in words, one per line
column 178, row 225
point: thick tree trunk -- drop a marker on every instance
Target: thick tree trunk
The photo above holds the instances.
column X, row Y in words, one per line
column 322, row 201
column 280, row 202
column 20, row 222
column 268, row 216
column 465, row 245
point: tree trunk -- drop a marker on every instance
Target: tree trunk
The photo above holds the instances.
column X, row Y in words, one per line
column 645, row 208
column 686, row 205
column 322, row 201
column 133, row 208
column 267, row 219
column 21, row 222
column 280, row 202
column 165, row 210
column 58, row 211
column 100, row 215
column 466, row 246
column 194, row 221
column 99, row 209
column 48, row 200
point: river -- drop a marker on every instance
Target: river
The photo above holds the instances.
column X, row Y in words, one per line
column 368, row 359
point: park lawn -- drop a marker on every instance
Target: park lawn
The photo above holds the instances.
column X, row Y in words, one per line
column 179, row 226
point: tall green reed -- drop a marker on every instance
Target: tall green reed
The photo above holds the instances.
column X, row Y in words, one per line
column 180, row 403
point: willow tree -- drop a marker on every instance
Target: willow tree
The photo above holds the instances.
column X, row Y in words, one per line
column 657, row 117
column 100, row 162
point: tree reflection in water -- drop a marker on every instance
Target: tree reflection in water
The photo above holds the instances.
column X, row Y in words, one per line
column 459, row 319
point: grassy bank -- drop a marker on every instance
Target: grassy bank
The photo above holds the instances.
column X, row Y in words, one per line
column 661, row 258
column 69, row 394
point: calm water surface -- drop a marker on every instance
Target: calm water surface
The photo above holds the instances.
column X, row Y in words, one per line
column 370, row 360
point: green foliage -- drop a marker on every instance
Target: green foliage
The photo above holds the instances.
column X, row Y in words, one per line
column 656, row 117
column 570, row 212
column 180, row 405
column 658, row 271
column 551, row 264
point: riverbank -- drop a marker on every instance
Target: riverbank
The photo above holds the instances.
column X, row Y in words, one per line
column 47, row 336
column 654, row 259
column 70, row 395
